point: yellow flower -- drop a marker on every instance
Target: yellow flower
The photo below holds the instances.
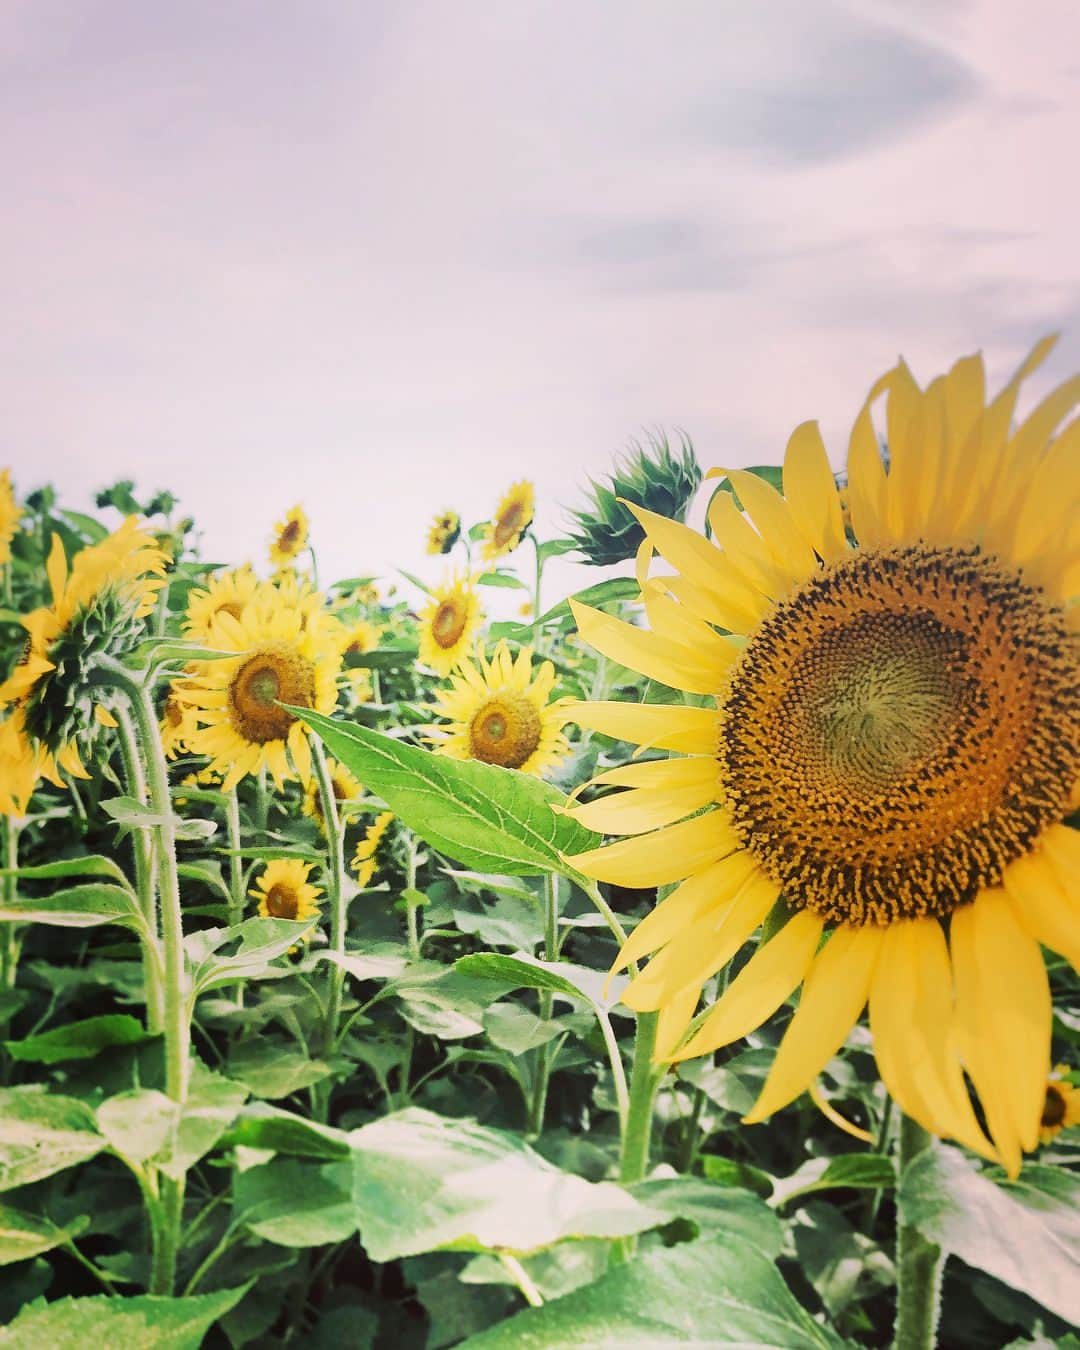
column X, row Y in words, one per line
column 230, row 591
column 448, row 625
column 364, row 862
column 500, row 713
column 893, row 748
column 280, row 659
column 345, row 786
column 290, row 537
column 10, row 513
column 359, row 677
column 284, row 892
column 177, row 719
column 359, row 638
column 510, row 521
column 96, row 614
column 444, row 531
column 1061, row 1106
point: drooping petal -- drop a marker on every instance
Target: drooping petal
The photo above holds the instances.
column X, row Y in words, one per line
column 775, row 522
column 659, row 726
column 1042, row 905
column 650, row 655
column 664, row 856
column 810, row 491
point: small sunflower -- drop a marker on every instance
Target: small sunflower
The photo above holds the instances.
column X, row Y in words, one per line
column 444, row 531
column 500, row 713
column 22, row 765
column 290, row 537
column 364, row 860
column 346, row 789
column 891, row 744
column 280, row 660
column 284, row 892
column 10, row 514
column 230, row 591
column 448, row 625
column 359, row 638
column 1061, row 1107
column 361, row 684
column 97, row 612
column 510, row 521
column 177, row 719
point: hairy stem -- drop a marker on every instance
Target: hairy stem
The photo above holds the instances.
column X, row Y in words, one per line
column 538, row 1103
column 142, row 844
column 918, row 1263
column 335, row 876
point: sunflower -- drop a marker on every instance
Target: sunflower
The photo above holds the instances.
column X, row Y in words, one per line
column 359, row 638
column 59, row 691
column 177, row 719
column 500, row 713
column 10, row 514
column 290, row 537
column 22, row 765
column 444, row 531
column 346, row 789
column 510, row 521
column 1061, row 1106
column 891, row 744
column 364, row 862
column 448, row 625
column 230, row 591
column 280, row 660
column 284, row 892
column 361, row 684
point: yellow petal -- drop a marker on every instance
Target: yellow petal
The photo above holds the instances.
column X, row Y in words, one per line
column 56, row 569
column 744, row 548
column 103, row 716
column 675, row 1016
column 680, row 628
column 1042, row 906
column 833, row 996
column 639, row 809
column 694, row 557
column 658, row 726
column 769, row 977
column 1050, row 502
column 866, row 474
column 810, row 491
column 773, row 517
column 650, row 655
column 729, row 613
column 662, row 857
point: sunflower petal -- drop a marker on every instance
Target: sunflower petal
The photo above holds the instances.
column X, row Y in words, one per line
column 655, row 657
column 1042, row 906
column 776, row 523
column 810, row 491
column 664, row 856
column 660, row 726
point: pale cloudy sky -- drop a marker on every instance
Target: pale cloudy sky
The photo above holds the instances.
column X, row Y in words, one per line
column 387, row 257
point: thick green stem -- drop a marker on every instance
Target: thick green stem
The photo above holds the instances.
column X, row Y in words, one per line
column 145, row 881
column 335, row 876
column 918, row 1263
column 538, row 1102
column 539, row 577
column 645, row 1078
column 236, row 874
column 9, row 943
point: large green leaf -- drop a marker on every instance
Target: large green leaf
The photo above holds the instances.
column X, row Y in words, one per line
column 489, row 818
column 262, row 1126
column 212, row 1104
column 1025, row 1233
column 860, row 1171
column 141, row 1323
column 714, row 1292
column 524, row 971
column 260, row 942
column 92, row 865
column 296, row 1203
column 42, row 1134
column 79, row 1040
column 140, row 1124
column 23, row 1235
column 711, row 1207
column 84, row 906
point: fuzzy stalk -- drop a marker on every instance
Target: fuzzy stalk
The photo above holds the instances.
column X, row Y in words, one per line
column 918, row 1263
column 538, row 1101
column 335, row 876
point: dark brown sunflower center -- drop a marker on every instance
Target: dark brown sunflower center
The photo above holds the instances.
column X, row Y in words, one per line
column 511, row 522
column 1053, row 1112
column 174, row 711
column 290, row 535
column 282, row 902
column 276, row 673
column 901, row 729
column 505, row 730
column 449, row 622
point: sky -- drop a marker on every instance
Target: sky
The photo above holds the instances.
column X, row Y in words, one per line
column 384, row 258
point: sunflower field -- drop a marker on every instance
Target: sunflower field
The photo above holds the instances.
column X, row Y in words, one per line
column 689, row 961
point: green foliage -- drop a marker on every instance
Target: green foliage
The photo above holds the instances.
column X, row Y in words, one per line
column 148, row 1323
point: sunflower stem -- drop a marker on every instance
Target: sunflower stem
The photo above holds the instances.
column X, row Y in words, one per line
column 538, row 1101
column 145, row 881
column 262, row 805
column 645, row 1078
column 236, row 872
column 335, row 875
column 918, row 1263
column 9, row 938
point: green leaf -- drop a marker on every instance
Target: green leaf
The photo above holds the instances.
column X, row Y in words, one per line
column 93, row 865
column 140, row 1124
column 505, row 579
column 270, row 1069
column 78, row 907
column 42, row 1134
column 420, row 585
column 23, row 1236
column 1025, row 1233
column 296, row 1204
column 711, row 1207
column 79, row 1040
column 261, row 942
column 268, row 1127
column 715, row 1292
column 516, row 1029
column 422, row 1181
column 603, row 593
column 863, row 1171
column 213, row 1103
column 727, row 1172
column 131, row 814
column 158, row 651
column 144, row 1322
column 489, row 818
column 505, row 921
column 522, row 971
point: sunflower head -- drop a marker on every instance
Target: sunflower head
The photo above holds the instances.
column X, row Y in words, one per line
column 284, row 892
column 501, row 712
column 365, row 861
column 512, row 518
column 359, row 638
column 652, row 476
column 230, row 592
column 891, row 744
column 346, row 790
column 290, row 537
column 1061, row 1107
column 449, row 623
column 10, row 514
column 177, row 719
column 98, row 606
column 443, row 532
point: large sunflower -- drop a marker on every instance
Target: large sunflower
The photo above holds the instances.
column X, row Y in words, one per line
column 290, row 537
column 500, row 713
column 512, row 518
column 10, row 513
column 57, row 690
column 281, row 659
column 230, row 591
column 891, row 745
column 448, row 625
